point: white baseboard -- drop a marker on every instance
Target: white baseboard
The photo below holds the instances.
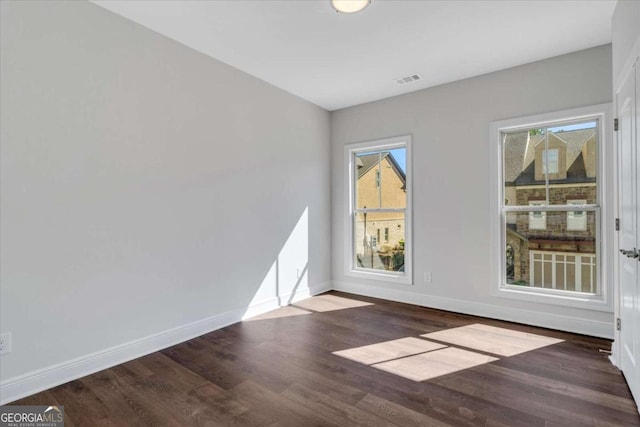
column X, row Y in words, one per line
column 305, row 293
column 534, row 318
column 42, row 379
column 261, row 307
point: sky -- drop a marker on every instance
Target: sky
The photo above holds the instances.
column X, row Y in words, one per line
column 587, row 125
column 400, row 154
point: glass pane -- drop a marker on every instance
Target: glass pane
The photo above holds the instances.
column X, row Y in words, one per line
column 547, row 275
column 570, row 283
column 550, row 161
column 560, row 282
column 585, row 283
column 589, row 273
column 576, row 145
column 381, row 179
column 518, row 159
column 376, row 254
column 542, row 160
column 553, row 257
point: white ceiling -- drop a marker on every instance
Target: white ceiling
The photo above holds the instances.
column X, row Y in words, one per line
column 337, row 60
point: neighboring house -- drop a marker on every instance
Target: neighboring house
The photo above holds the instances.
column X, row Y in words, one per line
column 551, row 249
column 380, row 236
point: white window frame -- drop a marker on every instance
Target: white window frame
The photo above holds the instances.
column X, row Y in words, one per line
column 576, row 220
column 602, row 301
column 351, row 269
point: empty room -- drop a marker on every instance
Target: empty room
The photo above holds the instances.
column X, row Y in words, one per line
column 320, row 212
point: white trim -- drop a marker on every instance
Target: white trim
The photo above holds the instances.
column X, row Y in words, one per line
column 406, row 278
column 551, row 208
column 261, row 307
column 42, row 379
column 554, row 297
column 602, row 113
column 586, row 184
column 634, row 54
column 632, row 59
column 613, row 359
column 301, row 294
column 550, row 119
column 527, row 317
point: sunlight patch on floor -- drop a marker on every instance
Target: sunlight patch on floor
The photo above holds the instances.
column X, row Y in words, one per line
column 433, row 364
column 322, row 303
column 281, row 312
column 389, row 350
column 421, row 359
column 492, row 339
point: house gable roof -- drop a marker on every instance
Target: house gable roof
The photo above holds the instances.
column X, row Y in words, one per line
column 367, row 161
column 519, row 164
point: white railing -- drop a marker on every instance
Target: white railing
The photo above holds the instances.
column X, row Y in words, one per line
column 560, row 270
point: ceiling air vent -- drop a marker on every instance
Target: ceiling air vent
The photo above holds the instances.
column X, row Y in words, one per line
column 408, row 79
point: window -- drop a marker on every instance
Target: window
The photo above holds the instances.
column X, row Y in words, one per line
column 537, row 219
column 550, row 160
column 379, row 199
column 576, row 220
column 547, row 238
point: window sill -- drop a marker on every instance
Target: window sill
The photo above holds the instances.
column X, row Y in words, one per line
column 543, row 296
column 401, row 279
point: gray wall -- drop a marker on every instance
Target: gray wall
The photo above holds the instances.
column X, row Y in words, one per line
column 451, row 181
column 144, row 185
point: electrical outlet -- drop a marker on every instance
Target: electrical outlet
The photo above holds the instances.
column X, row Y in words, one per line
column 5, row 343
column 427, row 277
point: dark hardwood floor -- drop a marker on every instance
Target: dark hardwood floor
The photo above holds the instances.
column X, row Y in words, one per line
column 282, row 372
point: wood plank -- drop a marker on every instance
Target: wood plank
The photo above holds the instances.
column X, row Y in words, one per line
column 281, row 371
column 535, row 401
column 588, row 395
column 279, row 408
column 335, row 411
column 397, row 414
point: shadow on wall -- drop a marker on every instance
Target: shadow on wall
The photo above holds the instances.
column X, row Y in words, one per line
column 287, row 279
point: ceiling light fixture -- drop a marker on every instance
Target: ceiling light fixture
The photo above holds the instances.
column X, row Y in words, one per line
column 349, row 6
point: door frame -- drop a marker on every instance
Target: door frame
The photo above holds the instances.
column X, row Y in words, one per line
column 633, row 59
